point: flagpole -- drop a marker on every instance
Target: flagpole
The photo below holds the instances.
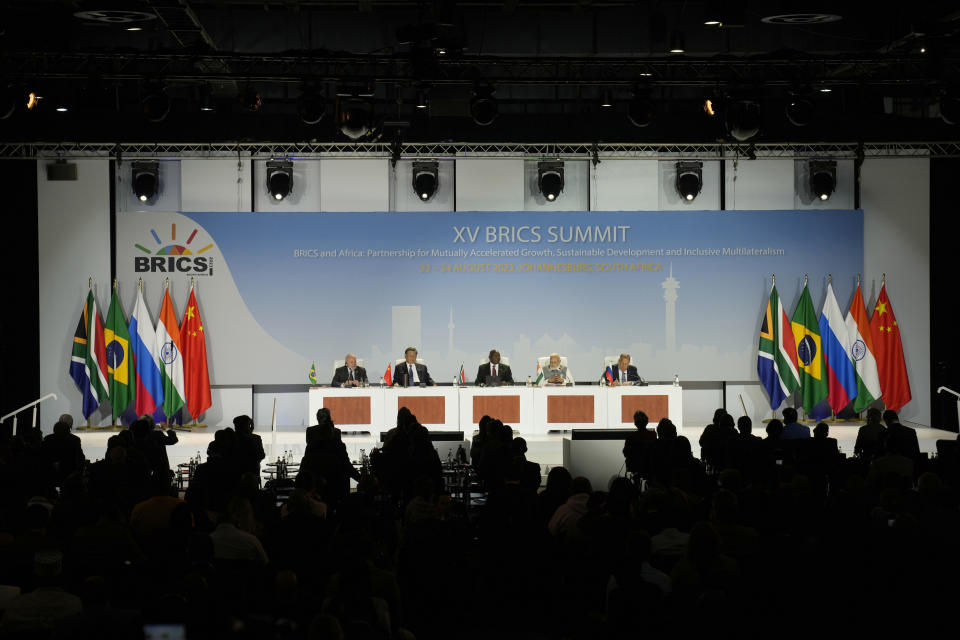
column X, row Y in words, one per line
column 883, row 280
column 140, row 283
column 858, row 279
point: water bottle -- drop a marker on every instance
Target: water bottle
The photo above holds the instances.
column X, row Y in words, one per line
column 529, row 381
column 382, row 381
column 676, row 380
column 456, row 380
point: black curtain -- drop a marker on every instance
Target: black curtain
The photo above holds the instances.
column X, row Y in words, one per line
column 944, row 345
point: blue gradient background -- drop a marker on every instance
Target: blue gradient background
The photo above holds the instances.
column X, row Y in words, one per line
column 323, row 307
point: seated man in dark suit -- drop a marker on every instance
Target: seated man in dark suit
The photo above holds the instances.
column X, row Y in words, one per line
column 793, row 430
column 494, row 368
column 411, row 372
column 624, row 372
column 349, row 375
column 635, row 449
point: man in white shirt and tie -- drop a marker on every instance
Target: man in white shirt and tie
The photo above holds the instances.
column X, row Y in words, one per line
column 349, row 375
column 494, row 368
column 410, row 372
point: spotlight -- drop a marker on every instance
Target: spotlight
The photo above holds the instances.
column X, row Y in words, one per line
column 33, row 100
column 155, row 104
column 708, row 107
column 145, row 177
column 279, row 178
column 311, row 105
column 250, row 99
column 823, row 178
column 422, row 102
column 206, row 98
column 550, row 179
column 678, row 42
column 743, row 119
column 950, row 108
column 8, row 102
column 426, row 179
column 689, row 179
column 799, row 109
column 354, row 117
column 483, row 106
column 605, row 100
column 640, row 111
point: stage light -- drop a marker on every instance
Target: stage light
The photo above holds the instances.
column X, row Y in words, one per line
column 279, row 178
column 640, row 111
column 311, row 105
column 33, row 100
column 708, row 107
column 678, row 42
column 422, row 102
column 250, row 98
column 689, row 179
column 743, row 119
column 799, row 109
column 155, row 104
column 145, row 177
column 206, row 98
column 354, row 117
column 483, row 106
column 550, row 179
column 8, row 102
column 950, row 108
column 823, row 178
column 426, row 179
column 605, row 100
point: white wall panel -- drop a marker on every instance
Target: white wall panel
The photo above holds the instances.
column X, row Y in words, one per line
column 402, row 197
column 670, row 200
column 625, row 185
column 226, row 404
column 895, row 196
column 576, row 188
column 215, row 184
column 490, row 184
column 74, row 240
column 760, row 184
column 354, row 185
column 292, row 407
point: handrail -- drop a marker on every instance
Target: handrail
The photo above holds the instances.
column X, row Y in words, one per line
column 33, row 404
column 950, row 391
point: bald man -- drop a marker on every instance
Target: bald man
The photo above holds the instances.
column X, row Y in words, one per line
column 349, row 375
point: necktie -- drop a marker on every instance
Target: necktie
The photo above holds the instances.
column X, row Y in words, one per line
column 494, row 369
column 410, row 367
column 351, row 374
column 623, row 376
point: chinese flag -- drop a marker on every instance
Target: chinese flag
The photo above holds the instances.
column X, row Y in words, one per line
column 889, row 353
column 387, row 376
column 194, row 347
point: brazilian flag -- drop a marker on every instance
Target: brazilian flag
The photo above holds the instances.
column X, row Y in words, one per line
column 121, row 371
column 814, row 387
column 312, row 376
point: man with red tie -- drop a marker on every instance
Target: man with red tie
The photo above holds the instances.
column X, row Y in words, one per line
column 494, row 368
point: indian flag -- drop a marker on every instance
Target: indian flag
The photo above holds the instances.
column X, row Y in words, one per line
column 463, row 375
column 171, row 359
column 862, row 352
column 539, row 374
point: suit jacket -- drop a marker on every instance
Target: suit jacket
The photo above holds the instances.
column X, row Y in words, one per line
column 400, row 370
column 632, row 374
column 902, row 439
column 503, row 370
column 548, row 372
column 342, row 374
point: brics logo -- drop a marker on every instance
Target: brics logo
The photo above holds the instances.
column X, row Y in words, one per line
column 172, row 257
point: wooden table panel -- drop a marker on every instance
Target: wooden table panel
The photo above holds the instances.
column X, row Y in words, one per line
column 569, row 408
column 503, row 408
column 428, row 409
column 349, row 410
column 656, row 407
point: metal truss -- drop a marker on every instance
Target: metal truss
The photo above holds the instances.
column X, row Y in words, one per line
column 401, row 68
column 572, row 151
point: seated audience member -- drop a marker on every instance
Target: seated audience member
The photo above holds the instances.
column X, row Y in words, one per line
column 233, row 538
column 793, row 430
column 636, row 446
column 870, row 435
column 563, row 524
column 522, row 472
column 62, row 450
column 36, row 614
column 900, row 438
column 556, row 492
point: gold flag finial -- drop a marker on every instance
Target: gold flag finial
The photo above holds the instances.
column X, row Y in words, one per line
column 858, row 279
column 114, row 284
column 166, row 282
column 191, row 282
column 773, row 278
column 140, row 283
column 829, row 278
column 806, row 278
column 883, row 279
column 90, row 282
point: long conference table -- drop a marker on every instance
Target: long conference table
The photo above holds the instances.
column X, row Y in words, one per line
column 529, row 410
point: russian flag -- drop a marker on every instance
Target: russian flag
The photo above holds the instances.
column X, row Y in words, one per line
column 841, row 376
column 143, row 343
column 608, row 374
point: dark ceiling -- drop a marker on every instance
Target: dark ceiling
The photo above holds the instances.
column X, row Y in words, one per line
column 859, row 73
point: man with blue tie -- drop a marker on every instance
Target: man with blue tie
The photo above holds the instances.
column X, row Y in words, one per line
column 410, row 372
column 624, row 373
